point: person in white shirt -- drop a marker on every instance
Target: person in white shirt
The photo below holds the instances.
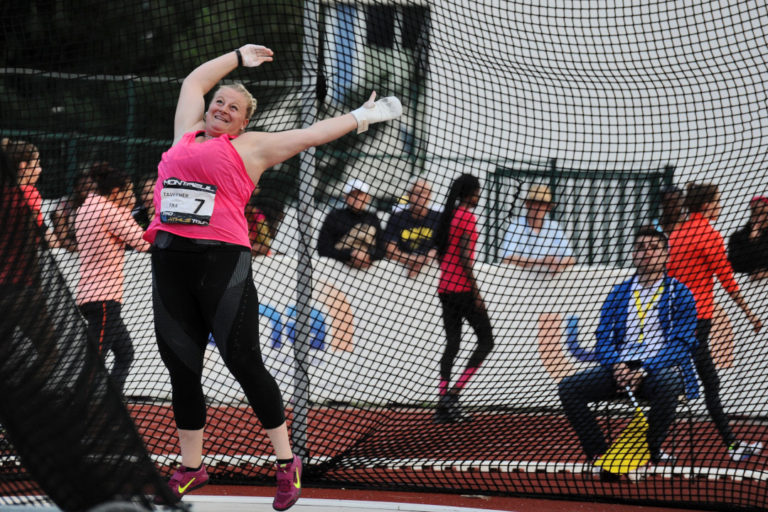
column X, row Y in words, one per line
column 534, row 241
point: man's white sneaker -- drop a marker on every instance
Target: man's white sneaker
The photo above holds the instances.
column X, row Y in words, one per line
column 641, row 473
column 666, row 458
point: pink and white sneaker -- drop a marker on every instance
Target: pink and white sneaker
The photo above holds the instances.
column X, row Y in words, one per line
column 185, row 480
column 288, row 484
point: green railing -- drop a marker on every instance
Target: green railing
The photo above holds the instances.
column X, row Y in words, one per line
column 599, row 209
column 69, row 138
column 63, row 154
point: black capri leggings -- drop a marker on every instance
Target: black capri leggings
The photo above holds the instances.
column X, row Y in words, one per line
column 457, row 307
column 209, row 289
column 705, row 367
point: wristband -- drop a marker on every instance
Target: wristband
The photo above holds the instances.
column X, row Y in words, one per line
column 239, row 58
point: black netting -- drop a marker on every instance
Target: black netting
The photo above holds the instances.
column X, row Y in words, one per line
column 65, row 431
column 597, row 115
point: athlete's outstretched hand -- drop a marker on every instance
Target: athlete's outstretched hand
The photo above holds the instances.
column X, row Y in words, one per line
column 255, row 55
column 374, row 111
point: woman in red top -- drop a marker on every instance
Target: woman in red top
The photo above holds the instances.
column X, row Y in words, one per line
column 455, row 238
column 20, row 278
column 697, row 255
column 25, row 157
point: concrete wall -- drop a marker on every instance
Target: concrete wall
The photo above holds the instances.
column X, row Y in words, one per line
column 384, row 335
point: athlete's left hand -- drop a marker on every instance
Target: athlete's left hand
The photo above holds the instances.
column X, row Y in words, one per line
column 255, row 55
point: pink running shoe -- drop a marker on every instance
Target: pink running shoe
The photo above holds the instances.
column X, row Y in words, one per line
column 185, row 480
column 288, row 484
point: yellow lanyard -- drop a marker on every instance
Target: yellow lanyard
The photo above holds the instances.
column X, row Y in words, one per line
column 642, row 311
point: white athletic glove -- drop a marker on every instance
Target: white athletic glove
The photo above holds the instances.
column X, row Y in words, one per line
column 254, row 55
column 377, row 111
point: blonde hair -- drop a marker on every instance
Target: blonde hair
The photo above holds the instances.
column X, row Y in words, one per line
column 237, row 86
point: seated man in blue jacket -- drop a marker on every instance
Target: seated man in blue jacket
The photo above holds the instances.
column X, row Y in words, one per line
column 645, row 341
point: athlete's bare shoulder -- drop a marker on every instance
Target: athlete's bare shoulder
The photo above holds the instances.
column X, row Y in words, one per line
column 179, row 134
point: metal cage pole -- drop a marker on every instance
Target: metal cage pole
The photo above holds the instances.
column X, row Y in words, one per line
column 310, row 49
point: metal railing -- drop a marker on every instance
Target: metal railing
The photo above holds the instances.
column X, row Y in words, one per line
column 598, row 209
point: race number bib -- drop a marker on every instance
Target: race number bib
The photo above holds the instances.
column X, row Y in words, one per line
column 186, row 202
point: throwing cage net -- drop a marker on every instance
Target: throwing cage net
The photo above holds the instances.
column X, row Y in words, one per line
column 595, row 112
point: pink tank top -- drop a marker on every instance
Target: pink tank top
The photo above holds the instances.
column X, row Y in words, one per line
column 453, row 279
column 201, row 192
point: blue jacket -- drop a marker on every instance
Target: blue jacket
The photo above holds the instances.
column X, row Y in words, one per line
column 678, row 325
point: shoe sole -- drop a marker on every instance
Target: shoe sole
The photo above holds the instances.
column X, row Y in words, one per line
column 194, row 488
column 290, row 505
column 160, row 501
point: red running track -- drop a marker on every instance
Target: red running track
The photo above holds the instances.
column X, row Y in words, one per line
column 498, row 453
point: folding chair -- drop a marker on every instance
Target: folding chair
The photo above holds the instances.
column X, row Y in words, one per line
column 682, row 401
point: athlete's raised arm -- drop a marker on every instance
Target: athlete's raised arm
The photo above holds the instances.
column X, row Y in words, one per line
column 191, row 104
